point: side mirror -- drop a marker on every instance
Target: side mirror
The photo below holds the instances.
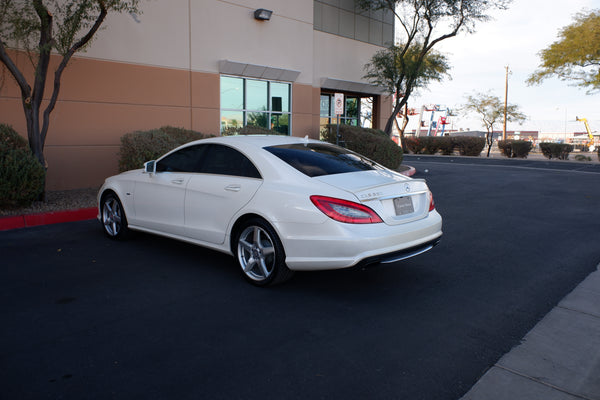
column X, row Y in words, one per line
column 150, row 167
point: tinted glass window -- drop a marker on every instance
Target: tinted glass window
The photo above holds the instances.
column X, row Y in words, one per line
column 316, row 159
column 187, row 159
column 224, row 160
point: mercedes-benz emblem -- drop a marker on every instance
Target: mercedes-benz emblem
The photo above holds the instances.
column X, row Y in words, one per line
column 407, row 187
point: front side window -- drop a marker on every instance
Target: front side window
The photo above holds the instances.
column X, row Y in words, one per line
column 317, row 159
column 257, row 103
column 187, row 159
column 210, row 158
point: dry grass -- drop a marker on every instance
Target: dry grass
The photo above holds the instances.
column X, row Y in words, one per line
column 59, row 200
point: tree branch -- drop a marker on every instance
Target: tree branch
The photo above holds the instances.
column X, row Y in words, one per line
column 14, row 71
column 63, row 64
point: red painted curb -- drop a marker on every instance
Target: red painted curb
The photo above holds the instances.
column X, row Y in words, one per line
column 23, row 221
column 409, row 172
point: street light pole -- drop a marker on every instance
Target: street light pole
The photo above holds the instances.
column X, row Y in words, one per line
column 505, row 103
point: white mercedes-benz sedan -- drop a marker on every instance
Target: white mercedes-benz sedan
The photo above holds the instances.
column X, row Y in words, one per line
column 278, row 204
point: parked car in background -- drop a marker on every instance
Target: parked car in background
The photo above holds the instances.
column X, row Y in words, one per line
column 278, row 204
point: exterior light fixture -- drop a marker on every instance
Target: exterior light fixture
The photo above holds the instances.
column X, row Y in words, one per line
column 262, row 14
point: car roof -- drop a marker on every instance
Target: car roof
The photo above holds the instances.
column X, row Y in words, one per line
column 259, row 141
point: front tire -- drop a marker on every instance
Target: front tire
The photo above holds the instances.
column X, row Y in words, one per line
column 260, row 254
column 114, row 221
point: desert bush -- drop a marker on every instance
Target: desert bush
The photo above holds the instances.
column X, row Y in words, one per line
column 468, row 145
column 423, row 144
column 556, row 150
column 446, row 145
column 9, row 138
column 515, row 148
column 581, row 157
column 22, row 177
column 414, row 145
column 371, row 143
column 141, row 146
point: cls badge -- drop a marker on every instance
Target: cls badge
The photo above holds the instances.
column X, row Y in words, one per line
column 407, row 187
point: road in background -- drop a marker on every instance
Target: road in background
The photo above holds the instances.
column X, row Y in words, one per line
column 151, row 318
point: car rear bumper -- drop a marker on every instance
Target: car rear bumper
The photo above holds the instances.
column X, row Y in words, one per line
column 398, row 255
column 334, row 245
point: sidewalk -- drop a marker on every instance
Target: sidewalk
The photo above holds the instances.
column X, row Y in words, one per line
column 559, row 359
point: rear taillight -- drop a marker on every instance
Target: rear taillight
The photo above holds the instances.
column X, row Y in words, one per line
column 431, row 202
column 345, row 211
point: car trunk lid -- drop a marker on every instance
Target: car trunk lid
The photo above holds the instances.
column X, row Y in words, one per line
column 395, row 198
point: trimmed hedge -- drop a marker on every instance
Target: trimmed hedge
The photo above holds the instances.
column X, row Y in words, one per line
column 469, row 145
column 22, row 177
column 515, row 148
column 141, row 146
column 559, row 151
column 466, row 145
column 371, row 143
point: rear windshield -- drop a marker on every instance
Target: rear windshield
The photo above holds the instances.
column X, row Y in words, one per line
column 317, row 159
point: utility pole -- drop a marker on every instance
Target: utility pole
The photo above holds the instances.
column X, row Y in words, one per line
column 505, row 102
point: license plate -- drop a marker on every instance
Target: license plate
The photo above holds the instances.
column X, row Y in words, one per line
column 403, row 205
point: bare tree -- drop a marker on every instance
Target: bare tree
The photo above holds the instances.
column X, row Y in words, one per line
column 394, row 68
column 41, row 28
column 425, row 23
column 490, row 110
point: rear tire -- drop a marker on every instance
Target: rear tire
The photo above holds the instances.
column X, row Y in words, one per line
column 260, row 254
column 114, row 221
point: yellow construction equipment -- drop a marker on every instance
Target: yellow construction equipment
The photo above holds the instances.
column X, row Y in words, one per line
column 589, row 131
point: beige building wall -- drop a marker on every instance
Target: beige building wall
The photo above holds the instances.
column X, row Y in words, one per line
column 162, row 68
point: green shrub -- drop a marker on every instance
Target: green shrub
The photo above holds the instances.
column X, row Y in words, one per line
column 581, row 157
column 556, row 150
column 446, row 145
column 9, row 138
column 22, row 177
column 141, row 146
column 423, row 144
column 515, row 148
column 371, row 143
column 414, row 145
column 468, row 145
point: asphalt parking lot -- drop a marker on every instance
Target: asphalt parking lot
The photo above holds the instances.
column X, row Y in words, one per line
column 84, row 317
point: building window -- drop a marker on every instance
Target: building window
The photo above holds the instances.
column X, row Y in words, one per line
column 346, row 18
column 254, row 102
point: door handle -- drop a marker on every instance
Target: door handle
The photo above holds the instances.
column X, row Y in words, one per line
column 233, row 188
column 177, row 181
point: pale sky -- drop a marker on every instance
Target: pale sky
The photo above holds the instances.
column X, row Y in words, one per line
column 513, row 38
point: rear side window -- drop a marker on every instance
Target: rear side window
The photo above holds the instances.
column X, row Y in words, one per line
column 317, row 159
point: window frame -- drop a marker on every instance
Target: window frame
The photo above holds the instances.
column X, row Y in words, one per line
column 246, row 112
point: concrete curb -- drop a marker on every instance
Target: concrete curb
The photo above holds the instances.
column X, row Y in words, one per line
column 25, row 221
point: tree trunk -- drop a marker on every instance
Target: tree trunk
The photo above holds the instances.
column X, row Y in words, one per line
column 391, row 120
column 490, row 141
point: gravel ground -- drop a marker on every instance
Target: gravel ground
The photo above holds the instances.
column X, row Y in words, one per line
column 58, row 201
